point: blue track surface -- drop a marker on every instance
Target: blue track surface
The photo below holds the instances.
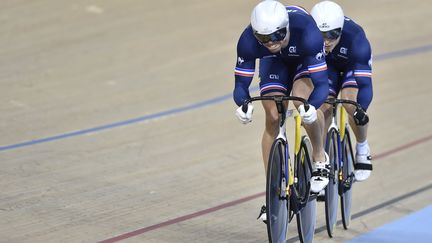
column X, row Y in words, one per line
column 413, row 228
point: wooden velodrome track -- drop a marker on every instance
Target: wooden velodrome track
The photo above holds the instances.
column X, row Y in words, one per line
column 117, row 122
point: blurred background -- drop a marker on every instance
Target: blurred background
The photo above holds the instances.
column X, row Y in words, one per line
column 117, row 122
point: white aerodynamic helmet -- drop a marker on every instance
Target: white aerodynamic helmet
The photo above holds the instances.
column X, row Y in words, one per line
column 328, row 15
column 270, row 17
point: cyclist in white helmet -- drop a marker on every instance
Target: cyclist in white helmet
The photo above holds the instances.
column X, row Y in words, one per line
column 349, row 61
column 290, row 49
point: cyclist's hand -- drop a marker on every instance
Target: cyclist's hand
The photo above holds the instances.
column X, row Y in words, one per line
column 308, row 116
column 245, row 117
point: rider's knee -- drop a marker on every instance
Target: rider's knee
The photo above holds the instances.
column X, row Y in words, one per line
column 349, row 108
column 272, row 121
column 302, row 87
column 326, row 109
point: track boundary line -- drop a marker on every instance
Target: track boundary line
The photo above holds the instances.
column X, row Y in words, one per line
column 182, row 218
column 251, row 197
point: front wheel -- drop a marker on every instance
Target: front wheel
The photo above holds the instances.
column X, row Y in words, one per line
column 307, row 205
column 331, row 191
column 276, row 197
column 347, row 179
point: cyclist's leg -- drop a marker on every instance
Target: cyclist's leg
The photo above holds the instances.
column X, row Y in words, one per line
column 326, row 109
column 363, row 95
column 360, row 92
column 271, row 126
column 360, row 132
column 303, row 87
column 359, row 89
column 273, row 76
column 335, row 82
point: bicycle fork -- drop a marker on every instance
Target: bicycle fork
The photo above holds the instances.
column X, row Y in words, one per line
column 288, row 175
column 286, row 170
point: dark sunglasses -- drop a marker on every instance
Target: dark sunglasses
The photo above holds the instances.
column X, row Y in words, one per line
column 332, row 34
column 278, row 35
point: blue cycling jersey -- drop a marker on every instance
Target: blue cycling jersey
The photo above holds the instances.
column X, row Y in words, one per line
column 350, row 63
column 303, row 55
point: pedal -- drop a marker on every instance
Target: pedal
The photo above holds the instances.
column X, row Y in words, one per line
column 321, row 196
column 346, row 184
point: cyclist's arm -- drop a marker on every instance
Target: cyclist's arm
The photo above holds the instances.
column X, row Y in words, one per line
column 244, row 69
column 362, row 70
column 319, row 77
column 317, row 67
column 243, row 77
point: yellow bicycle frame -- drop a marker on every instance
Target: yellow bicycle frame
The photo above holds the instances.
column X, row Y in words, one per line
column 297, row 132
column 297, row 118
column 342, row 122
column 297, row 142
column 342, row 126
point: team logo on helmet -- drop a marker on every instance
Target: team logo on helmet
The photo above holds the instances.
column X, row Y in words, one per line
column 324, row 25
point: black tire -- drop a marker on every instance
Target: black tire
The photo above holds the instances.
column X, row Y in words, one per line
column 306, row 216
column 277, row 206
column 347, row 179
column 331, row 191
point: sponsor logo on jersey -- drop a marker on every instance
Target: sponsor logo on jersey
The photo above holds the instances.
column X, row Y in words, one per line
column 240, row 61
column 274, row 76
column 320, row 55
column 343, row 50
column 292, row 49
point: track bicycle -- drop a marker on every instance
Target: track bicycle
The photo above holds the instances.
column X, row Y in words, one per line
column 341, row 177
column 287, row 186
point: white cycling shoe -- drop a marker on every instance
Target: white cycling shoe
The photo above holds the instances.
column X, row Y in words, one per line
column 363, row 166
column 320, row 176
